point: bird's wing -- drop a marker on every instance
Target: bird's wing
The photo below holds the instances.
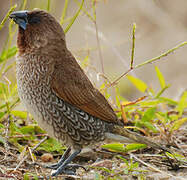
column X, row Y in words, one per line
column 70, row 83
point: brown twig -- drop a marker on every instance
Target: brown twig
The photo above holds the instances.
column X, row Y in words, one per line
column 149, row 166
column 35, row 147
column 134, row 102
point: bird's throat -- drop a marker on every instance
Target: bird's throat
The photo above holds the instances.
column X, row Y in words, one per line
column 21, row 41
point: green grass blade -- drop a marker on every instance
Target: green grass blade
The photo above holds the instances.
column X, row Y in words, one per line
column 7, row 15
column 48, row 5
column 140, row 85
column 160, row 77
column 74, row 18
column 64, row 12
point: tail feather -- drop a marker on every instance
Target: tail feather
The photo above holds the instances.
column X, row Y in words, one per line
column 120, row 131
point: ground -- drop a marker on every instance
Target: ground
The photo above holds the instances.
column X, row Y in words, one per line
column 147, row 164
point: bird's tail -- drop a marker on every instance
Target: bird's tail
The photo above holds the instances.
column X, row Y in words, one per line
column 121, row 134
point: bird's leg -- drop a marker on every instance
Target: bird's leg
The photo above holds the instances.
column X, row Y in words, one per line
column 67, row 168
column 60, row 162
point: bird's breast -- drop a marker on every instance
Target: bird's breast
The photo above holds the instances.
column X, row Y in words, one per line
column 33, row 81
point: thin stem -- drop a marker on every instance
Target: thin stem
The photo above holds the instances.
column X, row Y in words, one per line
column 35, row 147
column 85, row 11
column 64, row 12
column 148, row 62
column 97, row 36
column 24, row 4
column 7, row 15
column 99, row 46
column 161, row 56
column 48, row 5
column 116, row 81
column 74, row 18
column 133, row 46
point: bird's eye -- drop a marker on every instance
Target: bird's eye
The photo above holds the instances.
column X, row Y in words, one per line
column 33, row 19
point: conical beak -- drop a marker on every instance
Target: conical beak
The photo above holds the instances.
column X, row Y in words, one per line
column 20, row 18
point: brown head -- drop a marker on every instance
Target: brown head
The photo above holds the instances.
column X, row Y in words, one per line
column 37, row 29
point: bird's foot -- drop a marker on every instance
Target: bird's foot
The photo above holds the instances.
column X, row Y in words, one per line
column 64, row 166
column 69, row 169
column 63, row 158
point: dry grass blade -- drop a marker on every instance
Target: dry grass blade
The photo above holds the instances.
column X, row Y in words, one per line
column 35, row 147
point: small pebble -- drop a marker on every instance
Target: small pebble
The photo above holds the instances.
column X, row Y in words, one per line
column 47, row 157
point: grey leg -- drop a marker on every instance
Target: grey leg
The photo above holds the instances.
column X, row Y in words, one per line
column 67, row 168
column 60, row 162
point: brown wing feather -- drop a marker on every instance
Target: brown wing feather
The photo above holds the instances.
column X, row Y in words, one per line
column 72, row 85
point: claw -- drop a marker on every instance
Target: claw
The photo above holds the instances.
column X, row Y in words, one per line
column 52, row 166
column 67, row 172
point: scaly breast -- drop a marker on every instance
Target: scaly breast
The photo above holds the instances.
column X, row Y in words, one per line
column 33, row 80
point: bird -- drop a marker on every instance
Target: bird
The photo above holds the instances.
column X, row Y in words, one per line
column 57, row 92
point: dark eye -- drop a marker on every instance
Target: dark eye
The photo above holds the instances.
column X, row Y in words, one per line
column 33, row 19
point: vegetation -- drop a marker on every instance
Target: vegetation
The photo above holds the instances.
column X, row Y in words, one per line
column 152, row 115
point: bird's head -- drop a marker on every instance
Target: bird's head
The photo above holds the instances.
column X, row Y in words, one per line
column 37, row 29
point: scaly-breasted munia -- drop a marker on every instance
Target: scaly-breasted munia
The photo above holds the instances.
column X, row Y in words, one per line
column 57, row 92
